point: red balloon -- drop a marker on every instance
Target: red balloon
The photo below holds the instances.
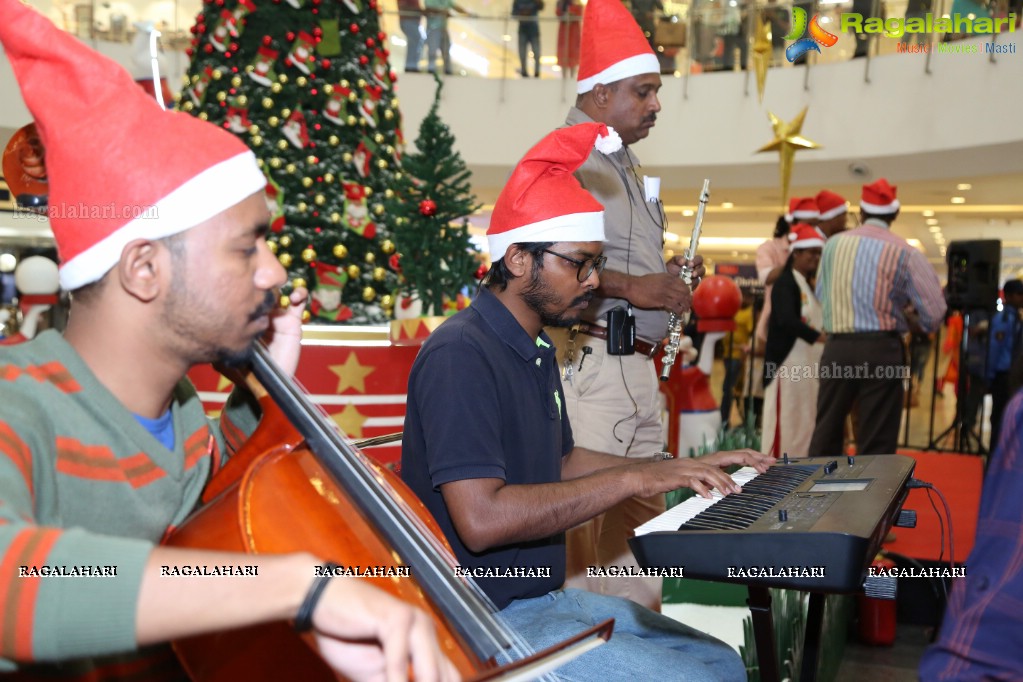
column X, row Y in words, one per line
column 716, row 301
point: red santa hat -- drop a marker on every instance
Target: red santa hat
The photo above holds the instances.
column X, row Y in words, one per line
column 804, row 236
column 879, row 197
column 830, row 204
column 613, row 46
column 543, row 201
column 802, row 208
column 134, row 170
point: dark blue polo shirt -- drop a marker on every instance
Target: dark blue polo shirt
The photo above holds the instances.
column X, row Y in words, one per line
column 485, row 401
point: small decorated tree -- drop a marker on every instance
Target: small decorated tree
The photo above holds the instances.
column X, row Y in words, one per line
column 432, row 201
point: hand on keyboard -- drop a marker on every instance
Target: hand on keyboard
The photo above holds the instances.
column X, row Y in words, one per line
column 672, row 474
column 745, row 457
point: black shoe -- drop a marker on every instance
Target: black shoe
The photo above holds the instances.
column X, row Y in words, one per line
column 407, row 70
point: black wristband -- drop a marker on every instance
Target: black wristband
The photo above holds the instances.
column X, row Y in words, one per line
column 304, row 617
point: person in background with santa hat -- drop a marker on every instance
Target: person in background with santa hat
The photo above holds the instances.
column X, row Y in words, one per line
column 834, row 212
column 495, row 460
column 104, row 444
column 867, row 278
column 614, row 400
column 793, row 350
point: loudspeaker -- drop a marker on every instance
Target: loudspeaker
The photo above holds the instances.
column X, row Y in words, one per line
column 973, row 273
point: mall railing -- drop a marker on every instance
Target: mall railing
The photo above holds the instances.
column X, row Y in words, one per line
column 690, row 38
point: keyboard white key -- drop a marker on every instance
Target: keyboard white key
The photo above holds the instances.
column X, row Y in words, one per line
column 680, row 514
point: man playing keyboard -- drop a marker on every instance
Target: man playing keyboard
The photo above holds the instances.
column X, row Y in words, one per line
column 487, row 444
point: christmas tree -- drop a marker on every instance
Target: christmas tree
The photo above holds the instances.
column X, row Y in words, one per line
column 307, row 85
column 437, row 258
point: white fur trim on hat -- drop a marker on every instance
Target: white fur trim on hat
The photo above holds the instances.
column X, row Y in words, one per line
column 200, row 198
column 880, row 209
column 573, row 227
column 632, row 66
column 807, row 244
column 832, row 212
column 804, row 215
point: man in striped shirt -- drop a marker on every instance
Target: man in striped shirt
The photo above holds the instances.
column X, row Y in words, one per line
column 867, row 278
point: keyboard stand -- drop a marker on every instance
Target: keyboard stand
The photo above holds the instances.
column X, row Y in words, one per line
column 763, row 634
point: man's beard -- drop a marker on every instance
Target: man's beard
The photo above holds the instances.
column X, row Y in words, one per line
column 538, row 296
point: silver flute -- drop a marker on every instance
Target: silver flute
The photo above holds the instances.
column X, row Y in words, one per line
column 677, row 322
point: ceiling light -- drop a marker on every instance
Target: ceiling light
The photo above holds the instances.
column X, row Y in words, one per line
column 727, row 204
column 963, row 186
column 935, row 228
column 687, row 213
column 931, row 221
column 928, row 213
column 958, row 200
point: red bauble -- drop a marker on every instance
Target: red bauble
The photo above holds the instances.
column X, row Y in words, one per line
column 267, row 40
column 317, row 32
column 481, row 272
column 381, row 36
column 208, row 49
column 428, row 207
column 189, row 52
column 290, row 36
column 363, row 60
column 325, row 63
column 370, row 43
column 395, row 262
column 353, row 28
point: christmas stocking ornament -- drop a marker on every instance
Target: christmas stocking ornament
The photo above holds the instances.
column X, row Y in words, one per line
column 357, row 218
column 303, row 54
column 263, row 66
column 326, row 295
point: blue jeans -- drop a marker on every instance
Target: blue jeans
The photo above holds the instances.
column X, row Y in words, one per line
column 410, row 26
column 438, row 40
column 644, row 646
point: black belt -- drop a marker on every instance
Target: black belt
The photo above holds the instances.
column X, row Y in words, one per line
column 866, row 336
column 642, row 346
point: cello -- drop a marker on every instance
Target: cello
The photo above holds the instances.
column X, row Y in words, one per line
column 298, row 484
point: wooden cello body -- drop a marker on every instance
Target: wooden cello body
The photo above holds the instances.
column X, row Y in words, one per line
column 298, row 485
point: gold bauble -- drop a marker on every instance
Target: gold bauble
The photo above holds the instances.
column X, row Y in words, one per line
column 308, row 255
column 389, row 193
column 369, row 191
column 253, row 129
column 217, row 74
column 394, row 103
column 282, row 145
column 221, row 96
column 177, row 97
column 260, row 163
column 379, row 274
column 311, row 159
column 319, row 200
column 242, row 100
column 306, row 316
column 347, row 157
column 267, row 103
column 340, row 251
column 290, row 168
column 203, row 116
column 273, row 121
column 344, row 83
column 378, row 209
column 379, row 138
column 307, row 181
column 333, row 140
column 298, row 282
column 285, row 112
column 362, row 83
column 257, row 141
column 236, row 81
column 388, row 114
column 387, row 302
column 370, row 257
column 301, row 81
column 328, row 177
column 275, row 162
column 382, row 164
column 328, row 89
column 272, row 245
column 302, row 207
column 368, row 294
column 283, row 301
column 187, row 106
column 398, row 175
column 390, row 150
column 282, row 78
column 352, row 97
column 354, row 271
column 387, row 246
column 285, row 241
column 351, row 120
column 185, row 80
column 285, row 259
column 335, row 217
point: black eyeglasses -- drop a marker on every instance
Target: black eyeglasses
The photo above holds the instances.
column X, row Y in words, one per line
column 585, row 267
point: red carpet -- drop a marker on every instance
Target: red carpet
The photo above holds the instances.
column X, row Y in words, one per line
column 959, row 478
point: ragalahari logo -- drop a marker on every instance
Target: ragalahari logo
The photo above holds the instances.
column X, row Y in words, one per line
column 818, row 36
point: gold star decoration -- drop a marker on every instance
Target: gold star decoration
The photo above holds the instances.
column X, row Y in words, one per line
column 350, row 420
column 787, row 141
column 761, row 56
column 351, row 374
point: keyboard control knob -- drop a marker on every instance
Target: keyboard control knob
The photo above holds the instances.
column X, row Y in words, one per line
column 850, row 459
column 785, row 458
column 783, row 515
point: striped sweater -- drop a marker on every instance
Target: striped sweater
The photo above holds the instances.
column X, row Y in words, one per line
column 83, row 484
column 868, row 275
